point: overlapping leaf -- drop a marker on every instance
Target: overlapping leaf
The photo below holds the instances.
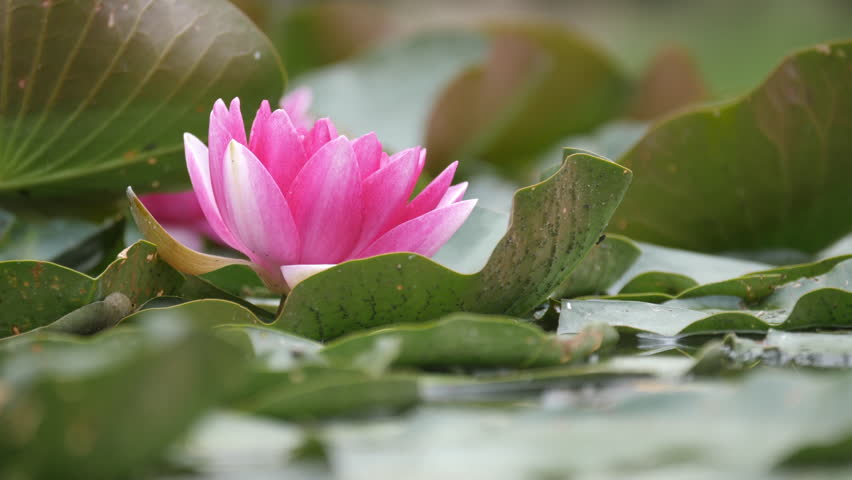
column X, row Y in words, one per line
column 35, row 294
column 753, row 303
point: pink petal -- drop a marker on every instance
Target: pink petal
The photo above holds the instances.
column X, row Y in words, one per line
column 225, row 125
column 321, row 134
column 430, row 196
column 257, row 212
column 326, row 201
column 385, row 194
column 177, row 207
column 199, row 173
column 276, row 143
column 453, row 195
column 368, row 150
column 424, row 234
column 258, row 127
column 297, row 103
column 185, row 235
column 294, row 274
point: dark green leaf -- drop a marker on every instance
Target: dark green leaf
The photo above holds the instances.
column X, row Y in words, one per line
column 769, row 170
column 96, row 94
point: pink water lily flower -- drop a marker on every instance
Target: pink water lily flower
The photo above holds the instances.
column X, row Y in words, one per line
column 296, row 201
column 180, row 213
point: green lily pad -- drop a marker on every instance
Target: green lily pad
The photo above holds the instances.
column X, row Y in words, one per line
column 605, row 263
column 95, row 96
column 824, row 301
column 658, row 282
column 554, row 224
column 682, row 264
column 769, row 170
column 318, row 392
column 458, row 340
column 35, row 294
column 107, row 408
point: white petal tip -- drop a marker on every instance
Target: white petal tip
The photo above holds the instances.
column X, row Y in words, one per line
column 293, row 274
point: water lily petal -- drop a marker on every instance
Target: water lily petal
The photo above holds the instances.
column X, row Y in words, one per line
column 385, row 193
column 322, row 132
column 368, row 150
column 226, row 124
column 453, row 195
column 258, row 126
column 430, row 196
column 424, row 234
column 294, row 274
column 199, row 173
column 173, row 207
column 257, row 212
column 327, row 203
column 277, row 144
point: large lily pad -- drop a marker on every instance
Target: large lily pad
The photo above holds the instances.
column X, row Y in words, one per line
column 554, row 224
column 95, row 94
column 769, row 170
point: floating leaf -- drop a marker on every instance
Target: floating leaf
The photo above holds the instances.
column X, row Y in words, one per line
column 96, row 94
column 605, row 263
column 458, row 340
column 316, row 392
column 769, row 170
column 35, row 293
column 701, row 268
column 824, row 301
